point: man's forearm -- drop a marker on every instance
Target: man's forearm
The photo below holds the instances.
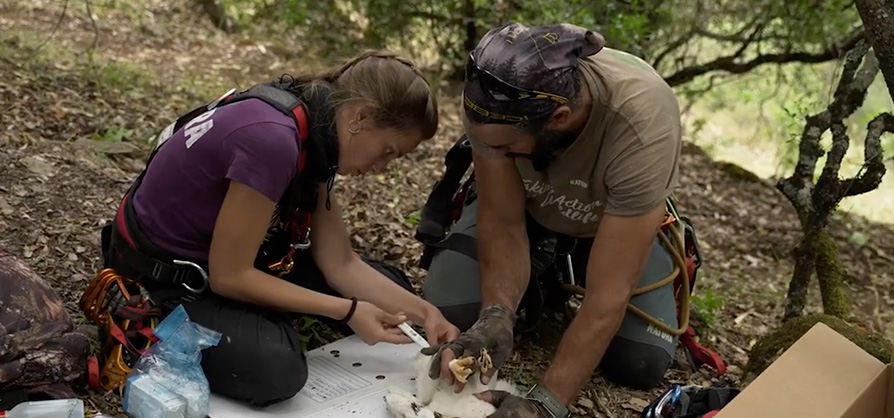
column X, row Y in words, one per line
column 581, row 349
column 505, row 263
column 617, row 259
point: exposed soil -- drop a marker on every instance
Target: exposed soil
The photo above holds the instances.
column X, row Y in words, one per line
column 59, row 184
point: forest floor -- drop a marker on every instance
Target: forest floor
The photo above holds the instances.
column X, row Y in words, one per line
column 72, row 138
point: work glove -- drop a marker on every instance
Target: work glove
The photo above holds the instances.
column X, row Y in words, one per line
column 511, row 406
column 492, row 331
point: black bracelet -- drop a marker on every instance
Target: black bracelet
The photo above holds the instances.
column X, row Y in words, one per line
column 350, row 312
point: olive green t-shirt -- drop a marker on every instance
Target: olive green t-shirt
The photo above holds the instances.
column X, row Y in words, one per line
column 625, row 161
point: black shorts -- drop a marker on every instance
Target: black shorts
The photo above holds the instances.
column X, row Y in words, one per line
column 260, row 360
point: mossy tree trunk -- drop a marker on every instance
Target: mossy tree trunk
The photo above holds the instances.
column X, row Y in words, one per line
column 830, row 275
column 816, row 200
column 818, row 253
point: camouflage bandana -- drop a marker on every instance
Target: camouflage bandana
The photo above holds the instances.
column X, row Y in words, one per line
column 519, row 73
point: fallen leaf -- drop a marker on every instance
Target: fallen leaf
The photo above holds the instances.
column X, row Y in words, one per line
column 5, row 207
column 38, row 165
column 636, row 404
column 586, row 403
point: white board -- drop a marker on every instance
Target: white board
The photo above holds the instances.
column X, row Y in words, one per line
column 350, row 385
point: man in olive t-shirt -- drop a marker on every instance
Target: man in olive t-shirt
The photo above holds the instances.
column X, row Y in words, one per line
column 582, row 140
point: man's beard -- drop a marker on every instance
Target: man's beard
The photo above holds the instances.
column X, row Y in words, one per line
column 549, row 144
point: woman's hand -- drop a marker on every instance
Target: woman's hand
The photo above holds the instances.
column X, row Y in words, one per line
column 437, row 328
column 373, row 325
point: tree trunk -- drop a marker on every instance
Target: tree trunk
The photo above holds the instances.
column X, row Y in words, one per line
column 830, row 275
column 817, row 253
column 218, row 15
column 471, row 27
column 805, row 263
column 878, row 17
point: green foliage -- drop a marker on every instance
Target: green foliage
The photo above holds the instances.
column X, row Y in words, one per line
column 114, row 133
column 708, row 306
column 413, row 218
column 313, row 333
column 669, row 34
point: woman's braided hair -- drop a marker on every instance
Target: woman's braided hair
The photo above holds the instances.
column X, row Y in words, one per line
column 392, row 86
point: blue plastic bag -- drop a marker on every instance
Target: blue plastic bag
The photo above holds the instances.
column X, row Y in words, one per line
column 167, row 381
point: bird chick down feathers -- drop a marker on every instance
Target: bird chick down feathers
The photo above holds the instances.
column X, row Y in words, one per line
column 435, row 398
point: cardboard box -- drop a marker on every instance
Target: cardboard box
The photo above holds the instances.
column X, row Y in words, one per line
column 822, row 375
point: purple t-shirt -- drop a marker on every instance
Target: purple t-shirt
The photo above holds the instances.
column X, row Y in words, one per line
column 248, row 141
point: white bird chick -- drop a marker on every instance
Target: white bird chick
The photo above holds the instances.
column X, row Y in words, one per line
column 435, row 398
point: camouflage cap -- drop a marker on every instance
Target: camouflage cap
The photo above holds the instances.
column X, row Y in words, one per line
column 519, row 72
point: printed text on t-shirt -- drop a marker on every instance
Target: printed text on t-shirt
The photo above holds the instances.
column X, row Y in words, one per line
column 198, row 127
column 573, row 209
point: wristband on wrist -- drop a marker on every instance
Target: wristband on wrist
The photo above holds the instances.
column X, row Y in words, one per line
column 350, row 312
column 549, row 402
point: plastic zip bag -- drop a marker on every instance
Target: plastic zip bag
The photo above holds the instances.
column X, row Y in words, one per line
column 167, row 381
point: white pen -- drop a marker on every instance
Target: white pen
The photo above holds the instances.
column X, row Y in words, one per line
column 410, row 332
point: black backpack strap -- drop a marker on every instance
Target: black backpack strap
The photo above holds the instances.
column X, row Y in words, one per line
column 438, row 212
column 125, row 247
column 282, row 100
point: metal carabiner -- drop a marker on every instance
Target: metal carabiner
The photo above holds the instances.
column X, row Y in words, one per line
column 303, row 242
column 201, row 272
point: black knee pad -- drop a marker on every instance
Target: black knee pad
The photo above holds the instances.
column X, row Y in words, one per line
column 259, row 359
column 633, row 364
column 265, row 375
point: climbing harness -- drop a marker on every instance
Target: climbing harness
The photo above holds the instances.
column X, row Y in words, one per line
column 128, row 251
column 450, row 194
column 126, row 318
column 117, row 299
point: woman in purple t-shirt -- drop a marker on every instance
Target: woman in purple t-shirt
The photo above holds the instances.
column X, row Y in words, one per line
column 210, row 191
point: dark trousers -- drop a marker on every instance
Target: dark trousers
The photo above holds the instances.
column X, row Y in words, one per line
column 259, row 359
column 639, row 353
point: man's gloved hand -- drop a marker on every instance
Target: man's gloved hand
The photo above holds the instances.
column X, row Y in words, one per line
column 492, row 331
column 511, row 406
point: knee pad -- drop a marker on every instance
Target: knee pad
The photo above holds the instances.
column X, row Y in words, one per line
column 633, row 364
column 452, row 280
column 266, row 375
column 284, row 374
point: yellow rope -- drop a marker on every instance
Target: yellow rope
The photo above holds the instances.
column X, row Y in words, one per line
column 676, row 250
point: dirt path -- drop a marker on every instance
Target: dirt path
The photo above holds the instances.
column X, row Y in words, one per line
column 58, row 186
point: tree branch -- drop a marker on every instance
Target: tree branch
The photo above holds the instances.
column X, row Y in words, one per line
column 673, row 46
column 870, row 179
column 813, row 202
column 55, row 27
column 878, row 17
column 829, row 182
column 729, row 63
column 849, row 95
column 798, row 187
column 852, row 86
column 92, row 22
